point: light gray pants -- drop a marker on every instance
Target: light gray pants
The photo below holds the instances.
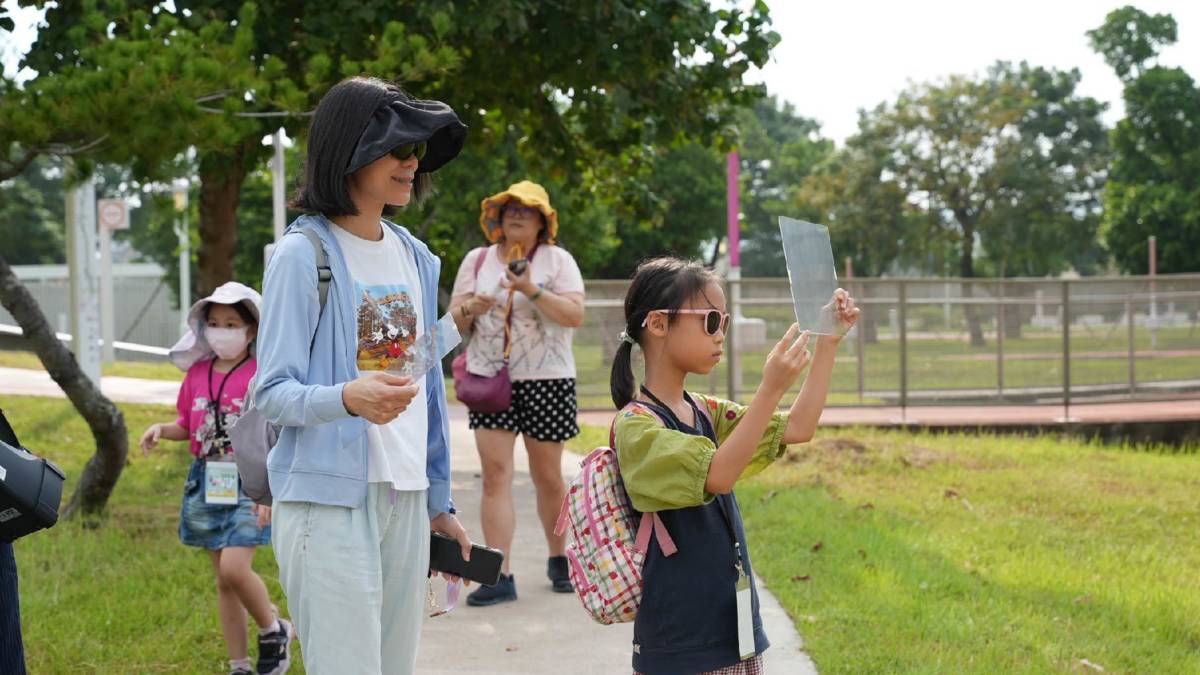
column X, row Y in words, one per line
column 355, row 580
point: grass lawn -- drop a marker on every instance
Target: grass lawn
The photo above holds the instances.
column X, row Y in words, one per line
column 147, row 370
column 896, row 552
column 127, row 596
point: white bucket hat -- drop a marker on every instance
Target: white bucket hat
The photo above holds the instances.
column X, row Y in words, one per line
column 192, row 347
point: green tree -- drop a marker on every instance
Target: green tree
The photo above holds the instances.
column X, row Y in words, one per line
column 581, row 101
column 867, row 211
column 31, row 216
column 1013, row 161
column 685, row 190
column 1153, row 187
column 778, row 148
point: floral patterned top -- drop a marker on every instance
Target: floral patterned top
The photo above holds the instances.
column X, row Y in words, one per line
column 666, row 469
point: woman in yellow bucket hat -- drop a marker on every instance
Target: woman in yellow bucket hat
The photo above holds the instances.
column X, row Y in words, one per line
column 522, row 299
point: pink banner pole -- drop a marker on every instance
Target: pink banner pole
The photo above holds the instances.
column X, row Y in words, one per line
column 732, row 209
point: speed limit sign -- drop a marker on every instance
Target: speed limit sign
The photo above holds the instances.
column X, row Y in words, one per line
column 113, row 214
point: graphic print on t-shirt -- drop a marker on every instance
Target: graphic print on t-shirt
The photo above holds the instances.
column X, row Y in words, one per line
column 387, row 327
column 206, row 433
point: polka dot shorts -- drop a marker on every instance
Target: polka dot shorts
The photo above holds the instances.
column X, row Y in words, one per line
column 544, row 410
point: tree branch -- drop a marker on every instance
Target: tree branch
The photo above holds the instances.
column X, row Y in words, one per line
column 14, row 169
column 214, row 111
column 107, row 423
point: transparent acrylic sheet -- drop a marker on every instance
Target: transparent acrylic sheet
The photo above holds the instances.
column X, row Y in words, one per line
column 811, row 274
column 432, row 346
column 427, row 350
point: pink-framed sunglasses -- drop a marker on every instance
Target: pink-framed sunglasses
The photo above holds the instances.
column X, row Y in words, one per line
column 714, row 319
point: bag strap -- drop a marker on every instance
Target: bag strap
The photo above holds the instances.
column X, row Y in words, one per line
column 508, row 312
column 651, row 523
column 324, row 273
column 324, row 276
column 7, row 434
column 479, row 259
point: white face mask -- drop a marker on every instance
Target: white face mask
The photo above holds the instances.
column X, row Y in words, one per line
column 226, row 342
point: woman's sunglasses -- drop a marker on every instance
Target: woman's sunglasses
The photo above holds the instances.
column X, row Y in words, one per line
column 517, row 210
column 714, row 320
column 403, row 152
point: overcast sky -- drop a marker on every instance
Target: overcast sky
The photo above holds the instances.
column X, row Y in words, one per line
column 838, row 57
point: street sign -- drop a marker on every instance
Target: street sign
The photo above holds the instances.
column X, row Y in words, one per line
column 113, row 214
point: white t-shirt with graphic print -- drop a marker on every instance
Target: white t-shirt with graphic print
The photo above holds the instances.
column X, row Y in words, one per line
column 388, row 290
column 541, row 348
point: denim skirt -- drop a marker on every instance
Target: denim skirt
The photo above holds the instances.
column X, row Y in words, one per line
column 217, row 526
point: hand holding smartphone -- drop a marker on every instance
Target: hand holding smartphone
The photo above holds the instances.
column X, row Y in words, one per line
column 445, row 555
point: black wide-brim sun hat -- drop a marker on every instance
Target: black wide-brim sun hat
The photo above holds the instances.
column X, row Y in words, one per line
column 401, row 121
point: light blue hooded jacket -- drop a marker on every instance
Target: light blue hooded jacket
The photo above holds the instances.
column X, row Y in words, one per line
column 321, row 454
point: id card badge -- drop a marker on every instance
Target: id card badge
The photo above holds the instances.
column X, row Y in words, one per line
column 745, row 617
column 220, row 483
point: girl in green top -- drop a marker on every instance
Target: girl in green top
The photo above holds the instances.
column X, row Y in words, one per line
column 681, row 454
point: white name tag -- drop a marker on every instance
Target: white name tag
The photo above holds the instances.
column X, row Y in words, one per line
column 220, row 483
column 745, row 615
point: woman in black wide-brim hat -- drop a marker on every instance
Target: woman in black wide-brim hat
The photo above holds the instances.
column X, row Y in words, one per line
column 361, row 471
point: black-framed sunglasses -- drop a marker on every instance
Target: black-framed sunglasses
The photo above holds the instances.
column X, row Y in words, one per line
column 714, row 319
column 403, row 152
column 519, row 210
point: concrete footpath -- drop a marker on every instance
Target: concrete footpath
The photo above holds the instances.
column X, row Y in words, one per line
column 543, row 631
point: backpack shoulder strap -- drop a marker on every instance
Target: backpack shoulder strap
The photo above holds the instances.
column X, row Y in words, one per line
column 612, row 430
column 324, row 273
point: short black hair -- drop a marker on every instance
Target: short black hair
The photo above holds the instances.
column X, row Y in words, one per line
column 241, row 308
column 332, row 137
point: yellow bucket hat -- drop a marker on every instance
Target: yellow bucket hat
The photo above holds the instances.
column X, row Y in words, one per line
column 527, row 193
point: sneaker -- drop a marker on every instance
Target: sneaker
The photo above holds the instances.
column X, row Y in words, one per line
column 273, row 656
column 241, row 671
column 560, row 578
column 505, row 590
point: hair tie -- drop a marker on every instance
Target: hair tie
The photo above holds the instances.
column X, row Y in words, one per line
column 625, row 338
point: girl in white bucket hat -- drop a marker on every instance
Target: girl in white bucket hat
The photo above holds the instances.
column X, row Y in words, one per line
column 217, row 353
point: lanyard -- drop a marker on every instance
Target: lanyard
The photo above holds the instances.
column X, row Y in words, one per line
column 705, row 428
column 511, row 296
column 218, row 416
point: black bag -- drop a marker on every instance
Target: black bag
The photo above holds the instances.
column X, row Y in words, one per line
column 30, row 488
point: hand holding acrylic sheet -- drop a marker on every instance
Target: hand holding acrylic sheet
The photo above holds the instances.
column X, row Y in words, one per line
column 426, row 351
column 811, row 275
column 432, row 346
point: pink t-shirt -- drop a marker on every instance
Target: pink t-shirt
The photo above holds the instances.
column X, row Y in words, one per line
column 195, row 414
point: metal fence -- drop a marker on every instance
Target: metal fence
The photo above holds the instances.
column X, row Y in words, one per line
column 920, row 342
column 956, row 341
column 145, row 311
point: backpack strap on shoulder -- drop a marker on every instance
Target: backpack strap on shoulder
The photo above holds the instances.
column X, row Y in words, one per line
column 324, row 273
column 651, row 523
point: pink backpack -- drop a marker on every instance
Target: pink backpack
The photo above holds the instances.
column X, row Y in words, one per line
column 607, row 545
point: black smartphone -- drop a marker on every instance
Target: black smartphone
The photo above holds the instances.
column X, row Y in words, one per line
column 518, row 266
column 445, row 555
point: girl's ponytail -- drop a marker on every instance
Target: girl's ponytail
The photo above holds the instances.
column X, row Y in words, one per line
column 621, row 382
column 661, row 284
